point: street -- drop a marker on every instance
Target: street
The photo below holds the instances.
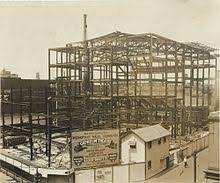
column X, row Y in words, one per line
column 180, row 174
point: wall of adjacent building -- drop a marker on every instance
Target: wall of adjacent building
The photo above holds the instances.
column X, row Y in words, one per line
column 215, row 96
column 214, row 145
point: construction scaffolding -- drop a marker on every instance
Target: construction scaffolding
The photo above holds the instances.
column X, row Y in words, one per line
column 119, row 80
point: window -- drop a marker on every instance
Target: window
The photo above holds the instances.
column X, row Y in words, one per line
column 159, row 141
column 132, row 144
column 149, row 165
column 164, row 140
column 149, row 144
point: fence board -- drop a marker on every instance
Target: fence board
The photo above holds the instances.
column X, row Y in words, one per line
column 120, row 174
column 137, row 172
column 103, row 175
column 84, row 176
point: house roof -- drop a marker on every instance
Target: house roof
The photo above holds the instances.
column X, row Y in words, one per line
column 151, row 132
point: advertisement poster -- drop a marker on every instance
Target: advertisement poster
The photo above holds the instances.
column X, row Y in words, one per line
column 95, row 148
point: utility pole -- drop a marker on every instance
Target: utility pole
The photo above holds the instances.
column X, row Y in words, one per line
column 195, row 166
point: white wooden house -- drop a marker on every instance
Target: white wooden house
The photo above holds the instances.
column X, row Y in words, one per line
column 150, row 145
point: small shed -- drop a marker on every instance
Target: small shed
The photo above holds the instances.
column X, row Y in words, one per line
column 149, row 145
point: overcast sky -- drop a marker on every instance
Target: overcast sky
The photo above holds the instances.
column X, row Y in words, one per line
column 28, row 29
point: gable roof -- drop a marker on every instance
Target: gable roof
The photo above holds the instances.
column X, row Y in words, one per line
column 150, row 133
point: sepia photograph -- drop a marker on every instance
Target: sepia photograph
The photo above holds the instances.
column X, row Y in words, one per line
column 109, row 91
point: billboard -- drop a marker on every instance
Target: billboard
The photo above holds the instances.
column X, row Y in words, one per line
column 95, row 148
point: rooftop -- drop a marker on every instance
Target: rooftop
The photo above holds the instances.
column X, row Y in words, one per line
column 7, row 74
column 151, row 132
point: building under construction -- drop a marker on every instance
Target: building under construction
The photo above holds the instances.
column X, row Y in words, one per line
column 121, row 79
column 118, row 80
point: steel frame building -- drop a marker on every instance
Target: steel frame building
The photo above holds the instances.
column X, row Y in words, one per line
column 123, row 78
column 118, row 80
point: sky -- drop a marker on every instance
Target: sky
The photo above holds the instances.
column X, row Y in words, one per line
column 28, row 29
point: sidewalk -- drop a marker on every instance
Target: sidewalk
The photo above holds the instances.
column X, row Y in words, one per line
column 180, row 174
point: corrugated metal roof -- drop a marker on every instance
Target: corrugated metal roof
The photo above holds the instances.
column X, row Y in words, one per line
column 151, row 132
